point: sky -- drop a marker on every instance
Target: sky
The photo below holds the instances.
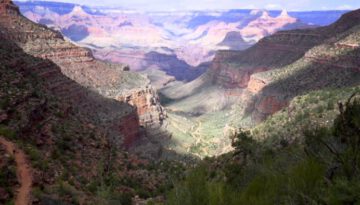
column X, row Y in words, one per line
column 169, row 5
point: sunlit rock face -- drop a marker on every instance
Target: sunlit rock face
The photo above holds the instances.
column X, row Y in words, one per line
column 147, row 105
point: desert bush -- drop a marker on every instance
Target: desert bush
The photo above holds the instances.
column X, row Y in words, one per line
column 7, row 132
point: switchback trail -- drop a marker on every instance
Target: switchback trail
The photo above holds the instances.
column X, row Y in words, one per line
column 199, row 139
column 23, row 172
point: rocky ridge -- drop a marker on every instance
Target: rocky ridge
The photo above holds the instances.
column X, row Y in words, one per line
column 56, row 82
column 79, row 65
column 74, row 136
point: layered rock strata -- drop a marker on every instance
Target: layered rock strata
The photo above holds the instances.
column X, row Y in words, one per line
column 70, row 71
column 292, row 62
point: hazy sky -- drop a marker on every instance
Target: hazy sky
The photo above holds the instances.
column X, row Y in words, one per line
column 224, row 4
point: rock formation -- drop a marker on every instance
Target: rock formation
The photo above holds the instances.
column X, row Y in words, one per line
column 8, row 7
column 256, row 84
column 263, row 68
column 80, row 67
column 146, row 101
column 74, row 136
column 66, row 129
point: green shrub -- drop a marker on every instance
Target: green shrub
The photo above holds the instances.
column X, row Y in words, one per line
column 330, row 105
column 343, row 192
column 33, row 153
column 192, row 191
column 305, row 182
column 6, row 175
column 265, row 189
column 11, row 202
column 7, row 132
column 67, row 191
column 37, row 192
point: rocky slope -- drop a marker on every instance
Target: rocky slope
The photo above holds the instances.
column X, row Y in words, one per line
column 325, row 65
column 8, row 176
column 79, row 65
column 73, row 135
column 60, row 85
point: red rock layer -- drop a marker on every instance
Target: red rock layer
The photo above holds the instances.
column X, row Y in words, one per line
column 75, row 62
column 83, row 74
column 268, row 105
column 8, row 7
column 146, row 103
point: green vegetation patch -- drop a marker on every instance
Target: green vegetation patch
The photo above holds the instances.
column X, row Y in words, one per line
column 324, row 169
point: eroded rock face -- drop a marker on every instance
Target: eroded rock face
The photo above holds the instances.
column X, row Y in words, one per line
column 75, row 76
column 297, row 61
column 8, row 7
column 231, row 78
column 229, row 74
column 256, row 84
column 236, row 69
column 147, row 105
column 268, row 105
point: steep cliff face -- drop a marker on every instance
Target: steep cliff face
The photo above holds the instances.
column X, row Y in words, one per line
column 230, row 74
column 147, row 104
column 79, row 65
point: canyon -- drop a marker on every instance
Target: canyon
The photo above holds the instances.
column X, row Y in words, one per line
column 101, row 119
column 182, row 44
column 242, row 89
column 235, row 84
column 203, row 66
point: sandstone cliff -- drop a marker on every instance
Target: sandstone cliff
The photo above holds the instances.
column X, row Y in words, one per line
column 146, row 101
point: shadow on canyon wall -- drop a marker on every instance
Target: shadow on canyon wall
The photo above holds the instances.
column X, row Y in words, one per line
column 118, row 120
column 173, row 66
column 321, row 73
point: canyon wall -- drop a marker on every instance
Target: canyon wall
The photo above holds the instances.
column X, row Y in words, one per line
column 233, row 69
column 147, row 104
column 289, row 63
column 72, row 74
